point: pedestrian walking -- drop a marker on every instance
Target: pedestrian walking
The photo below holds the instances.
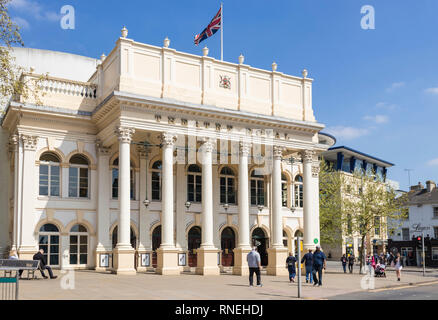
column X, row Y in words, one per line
column 319, row 260
column 351, row 261
column 254, row 264
column 344, row 263
column 308, row 260
column 398, row 266
column 290, row 265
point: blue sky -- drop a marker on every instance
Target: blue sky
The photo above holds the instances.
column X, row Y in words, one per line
column 375, row 90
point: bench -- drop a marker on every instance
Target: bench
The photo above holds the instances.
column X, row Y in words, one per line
column 10, row 265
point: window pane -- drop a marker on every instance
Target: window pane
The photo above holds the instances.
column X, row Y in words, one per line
column 73, row 258
column 44, row 169
column 73, row 248
column 115, row 183
column 54, row 239
column 44, row 240
column 73, row 182
column 83, row 259
column 84, row 239
column 54, row 259
column 44, row 191
column 73, row 239
column 84, row 248
column 54, row 248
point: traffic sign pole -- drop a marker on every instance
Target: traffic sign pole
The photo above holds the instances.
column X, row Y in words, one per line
column 424, row 256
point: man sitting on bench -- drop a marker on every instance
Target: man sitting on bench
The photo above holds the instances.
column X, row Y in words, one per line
column 43, row 264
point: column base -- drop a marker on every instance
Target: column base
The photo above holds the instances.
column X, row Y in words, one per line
column 98, row 267
column 167, row 261
column 240, row 264
column 123, row 260
column 277, row 262
column 207, row 262
column 27, row 252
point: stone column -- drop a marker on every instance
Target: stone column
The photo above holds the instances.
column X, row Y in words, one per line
column 14, row 148
column 103, row 212
column 124, row 253
column 277, row 254
column 207, row 254
column 145, row 244
column 28, row 244
column 311, row 200
column 167, row 254
column 243, row 247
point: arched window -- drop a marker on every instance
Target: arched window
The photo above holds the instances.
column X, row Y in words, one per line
column 298, row 189
column 78, row 245
column 49, row 184
column 78, row 177
column 48, row 240
column 194, row 183
column 115, row 180
column 284, row 190
column 228, row 186
column 285, row 239
column 156, row 180
column 257, row 189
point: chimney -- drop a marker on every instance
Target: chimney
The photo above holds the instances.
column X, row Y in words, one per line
column 417, row 187
column 431, row 185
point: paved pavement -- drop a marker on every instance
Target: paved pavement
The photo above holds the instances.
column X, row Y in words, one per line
column 412, row 292
column 149, row 286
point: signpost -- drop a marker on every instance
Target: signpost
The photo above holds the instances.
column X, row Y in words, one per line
column 299, row 265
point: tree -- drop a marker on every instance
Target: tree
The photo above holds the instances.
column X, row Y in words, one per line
column 12, row 81
column 331, row 217
column 373, row 207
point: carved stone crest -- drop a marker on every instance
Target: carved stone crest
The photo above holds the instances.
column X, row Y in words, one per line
column 225, row 82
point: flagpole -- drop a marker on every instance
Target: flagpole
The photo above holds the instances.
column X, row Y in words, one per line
column 222, row 31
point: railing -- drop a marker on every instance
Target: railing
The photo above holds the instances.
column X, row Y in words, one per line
column 69, row 87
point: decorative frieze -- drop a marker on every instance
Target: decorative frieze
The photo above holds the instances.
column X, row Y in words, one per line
column 218, row 127
column 158, row 118
column 171, row 120
column 125, row 134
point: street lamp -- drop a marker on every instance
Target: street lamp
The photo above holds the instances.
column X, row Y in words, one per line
column 260, row 207
column 226, row 206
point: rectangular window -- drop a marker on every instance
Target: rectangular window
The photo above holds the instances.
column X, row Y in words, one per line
column 377, row 226
column 223, row 190
column 231, row 194
column 54, row 181
column 198, row 188
column 435, row 212
column 435, row 231
column 405, row 234
column 115, row 183
column 83, row 182
column 73, row 182
column 156, row 185
column 435, row 253
column 253, row 193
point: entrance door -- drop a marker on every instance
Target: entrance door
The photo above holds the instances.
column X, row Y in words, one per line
column 49, row 241
column 228, row 243
column 259, row 240
column 156, row 243
column 194, row 242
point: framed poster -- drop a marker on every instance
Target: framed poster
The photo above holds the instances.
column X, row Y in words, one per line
column 104, row 260
column 145, row 259
column 182, row 259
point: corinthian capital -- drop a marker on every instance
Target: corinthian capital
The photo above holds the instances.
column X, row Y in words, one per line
column 278, row 152
column 13, row 143
column 168, row 139
column 245, row 148
column 29, row 142
column 125, row 134
column 308, row 156
column 207, row 144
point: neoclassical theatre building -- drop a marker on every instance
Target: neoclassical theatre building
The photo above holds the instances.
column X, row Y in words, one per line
column 161, row 160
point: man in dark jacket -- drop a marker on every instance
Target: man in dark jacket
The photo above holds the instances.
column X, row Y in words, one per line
column 319, row 260
column 308, row 259
column 43, row 264
column 351, row 261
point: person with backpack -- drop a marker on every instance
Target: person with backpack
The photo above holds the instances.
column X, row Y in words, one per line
column 290, row 265
column 344, row 263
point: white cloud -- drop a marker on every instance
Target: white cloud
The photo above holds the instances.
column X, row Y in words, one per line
column 347, row 133
column 432, row 90
column 20, row 22
column 379, row 118
column 386, row 106
column 35, row 10
column 433, row 162
column 395, row 86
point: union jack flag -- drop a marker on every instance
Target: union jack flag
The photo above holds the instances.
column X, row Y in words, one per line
column 211, row 29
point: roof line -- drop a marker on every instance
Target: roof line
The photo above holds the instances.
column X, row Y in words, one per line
column 361, row 153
